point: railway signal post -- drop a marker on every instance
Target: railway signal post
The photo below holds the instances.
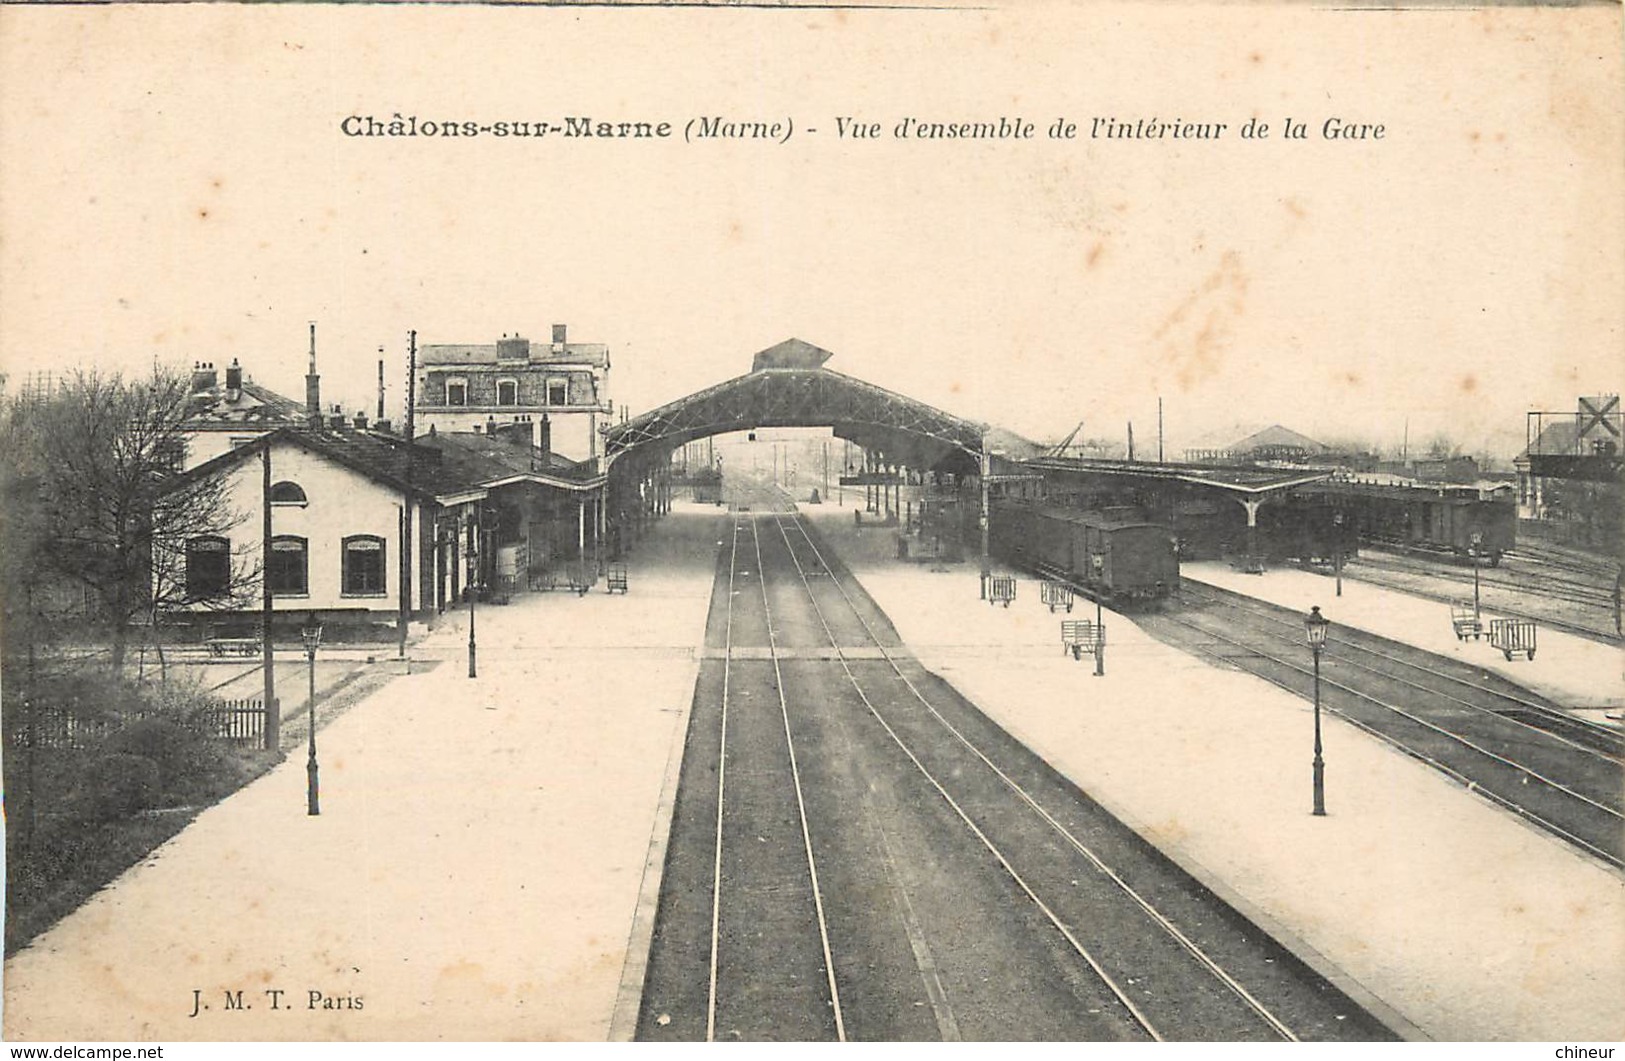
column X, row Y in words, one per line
column 1315, row 624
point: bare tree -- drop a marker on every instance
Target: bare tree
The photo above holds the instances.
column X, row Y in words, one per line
column 117, row 512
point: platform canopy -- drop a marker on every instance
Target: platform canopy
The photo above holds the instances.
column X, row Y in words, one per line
column 1246, row 482
column 788, row 387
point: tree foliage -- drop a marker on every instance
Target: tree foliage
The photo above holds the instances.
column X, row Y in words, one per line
column 96, row 468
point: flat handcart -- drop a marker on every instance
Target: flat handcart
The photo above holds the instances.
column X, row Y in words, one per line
column 615, row 579
column 1464, row 621
column 1079, row 636
column 1001, row 589
column 1055, row 594
column 1513, row 635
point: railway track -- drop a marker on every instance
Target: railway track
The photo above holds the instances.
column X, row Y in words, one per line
column 1494, row 742
column 916, row 849
column 1579, row 607
column 1470, row 687
column 1012, row 818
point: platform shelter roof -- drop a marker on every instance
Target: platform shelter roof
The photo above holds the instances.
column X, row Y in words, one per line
column 790, row 388
column 1251, row 481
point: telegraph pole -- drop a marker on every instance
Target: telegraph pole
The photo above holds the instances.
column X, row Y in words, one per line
column 986, row 470
column 273, row 717
column 406, row 507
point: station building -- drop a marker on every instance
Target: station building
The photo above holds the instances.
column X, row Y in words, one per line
column 367, row 525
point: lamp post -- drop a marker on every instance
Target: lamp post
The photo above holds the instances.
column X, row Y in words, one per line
column 1477, row 539
column 1097, row 563
column 1337, row 559
column 311, row 634
column 1315, row 625
column 473, row 568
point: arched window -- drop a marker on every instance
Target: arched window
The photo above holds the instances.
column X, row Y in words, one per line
column 208, row 567
column 289, row 573
column 364, row 566
column 287, row 493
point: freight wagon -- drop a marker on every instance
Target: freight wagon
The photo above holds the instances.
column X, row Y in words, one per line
column 1115, row 553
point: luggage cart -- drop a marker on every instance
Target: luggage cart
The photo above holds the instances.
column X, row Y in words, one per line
column 1464, row 621
column 1056, row 594
column 615, row 579
column 1082, row 635
column 1001, row 589
column 1513, row 635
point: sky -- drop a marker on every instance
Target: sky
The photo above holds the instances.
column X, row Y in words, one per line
column 175, row 186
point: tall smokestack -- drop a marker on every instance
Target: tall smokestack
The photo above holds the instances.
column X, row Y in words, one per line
column 547, row 435
column 313, row 387
column 380, row 383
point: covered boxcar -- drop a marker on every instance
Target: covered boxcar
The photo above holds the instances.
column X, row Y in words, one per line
column 1115, row 552
column 1444, row 521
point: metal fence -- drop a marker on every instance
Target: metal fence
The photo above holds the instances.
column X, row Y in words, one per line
column 236, row 721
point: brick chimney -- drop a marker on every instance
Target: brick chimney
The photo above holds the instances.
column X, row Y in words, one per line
column 203, row 376
column 234, row 381
column 546, row 444
column 313, row 387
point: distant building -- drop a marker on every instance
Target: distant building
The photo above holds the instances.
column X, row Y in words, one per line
column 1273, row 443
column 559, row 389
column 1459, row 469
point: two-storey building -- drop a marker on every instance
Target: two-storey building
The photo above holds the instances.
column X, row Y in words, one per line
column 558, row 388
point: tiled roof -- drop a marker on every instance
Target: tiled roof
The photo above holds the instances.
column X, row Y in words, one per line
column 254, row 406
column 436, row 466
column 504, row 459
column 595, row 354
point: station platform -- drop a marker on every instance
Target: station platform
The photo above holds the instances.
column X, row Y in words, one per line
column 1454, row 918
column 477, row 866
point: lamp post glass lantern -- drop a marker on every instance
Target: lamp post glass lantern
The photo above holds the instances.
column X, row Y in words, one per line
column 1315, row 625
column 311, row 634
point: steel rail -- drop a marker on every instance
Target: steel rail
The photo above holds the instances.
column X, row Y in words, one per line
column 722, row 773
column 1433, row 726
column 1395, row 579
column 1160, row 919
column 801, row 806
column 1071, row 938
column 1542, row 710
column 1467, row 782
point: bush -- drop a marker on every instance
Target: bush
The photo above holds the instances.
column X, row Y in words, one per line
column 172, row 747
column 116, row 786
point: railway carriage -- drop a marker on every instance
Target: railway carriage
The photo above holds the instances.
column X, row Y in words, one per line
column 1114, row 552
column 1442, row 521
